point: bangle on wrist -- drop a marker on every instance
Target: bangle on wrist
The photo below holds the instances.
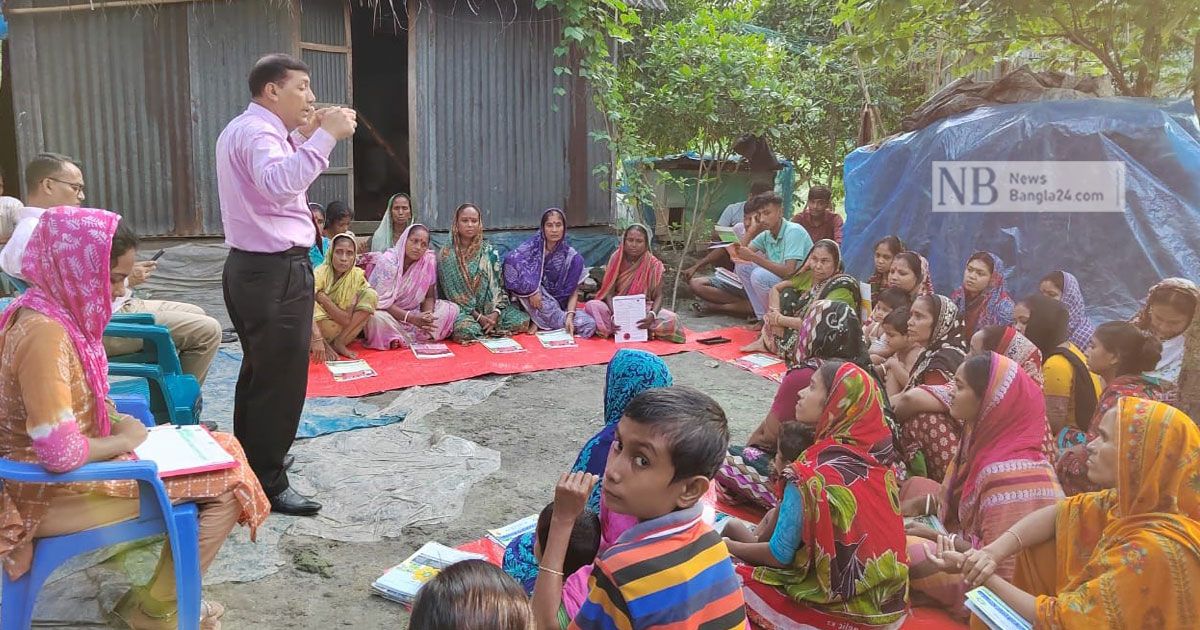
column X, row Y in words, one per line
column 551, row 571
column 405, row 317
column 1020, row 543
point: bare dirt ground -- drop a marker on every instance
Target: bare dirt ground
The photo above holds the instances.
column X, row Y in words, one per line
column 536, row 421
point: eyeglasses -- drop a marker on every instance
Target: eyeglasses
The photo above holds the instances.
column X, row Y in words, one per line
column 78, row 188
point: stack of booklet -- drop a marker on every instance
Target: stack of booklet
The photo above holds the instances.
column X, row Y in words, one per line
column 757, row 361
column 728, row 278
column 403, row 581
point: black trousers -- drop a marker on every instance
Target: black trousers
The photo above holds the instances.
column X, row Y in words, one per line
column 270, row 300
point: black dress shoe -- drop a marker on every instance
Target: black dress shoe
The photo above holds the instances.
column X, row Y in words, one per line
column 288, row 502
column 288, row 460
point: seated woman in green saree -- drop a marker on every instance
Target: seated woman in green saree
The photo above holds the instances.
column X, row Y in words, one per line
column 344, row 301
column 469, row 275
column 820, row 278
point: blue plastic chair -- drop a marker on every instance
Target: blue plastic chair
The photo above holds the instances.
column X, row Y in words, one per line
column 157, row 516
column 174, row 396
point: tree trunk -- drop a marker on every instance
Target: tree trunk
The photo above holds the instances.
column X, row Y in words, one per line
column 1196, row 73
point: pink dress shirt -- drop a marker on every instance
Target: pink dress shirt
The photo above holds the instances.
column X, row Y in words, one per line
column 262, row 176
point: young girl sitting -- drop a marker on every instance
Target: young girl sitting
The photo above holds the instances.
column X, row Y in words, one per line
column 472, row 595
column 888, row 301
column 896, row 370
column 793, row 439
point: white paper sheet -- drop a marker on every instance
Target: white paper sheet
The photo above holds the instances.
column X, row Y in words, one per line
column 628, row 310
column 181, row 450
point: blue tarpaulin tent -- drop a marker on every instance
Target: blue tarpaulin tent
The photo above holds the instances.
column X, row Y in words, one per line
column 1116, row 256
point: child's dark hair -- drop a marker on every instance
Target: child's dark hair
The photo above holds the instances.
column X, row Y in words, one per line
column 336, row 211
column 471, row 595
column 1136, row 351
column 584, row 543
column 897, row 319
column 794, row 439
column 894, row 298
column 694, row 425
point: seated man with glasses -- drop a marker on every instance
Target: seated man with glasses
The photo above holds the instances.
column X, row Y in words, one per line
column 53, row 180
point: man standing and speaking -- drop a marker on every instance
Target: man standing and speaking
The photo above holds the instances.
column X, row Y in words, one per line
column 267, row 158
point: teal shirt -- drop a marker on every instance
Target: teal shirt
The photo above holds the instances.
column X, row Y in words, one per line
column 793, row 243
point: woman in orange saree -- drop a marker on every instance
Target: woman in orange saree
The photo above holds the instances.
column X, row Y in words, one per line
column 1089, row 560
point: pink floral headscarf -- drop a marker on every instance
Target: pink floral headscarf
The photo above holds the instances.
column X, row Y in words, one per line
column 67, row 265
column 400, row 286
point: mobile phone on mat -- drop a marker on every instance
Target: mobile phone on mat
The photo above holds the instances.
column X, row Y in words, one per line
column 713, row 341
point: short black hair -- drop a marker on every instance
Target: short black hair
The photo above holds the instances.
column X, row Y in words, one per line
column 1049, row 322
column 44, row 166
column 124, row 239
column 897, row 319
column 336, row 211
column 794, row 439
column 977, row 371
column 273, row 68
column 694, row 425
column 762, row 200
column 820, row 193
column 584, row 543
column 894, row 298
column 760, row 187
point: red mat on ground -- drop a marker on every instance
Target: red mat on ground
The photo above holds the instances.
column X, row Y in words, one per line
column 730, row 352
column 399, row 369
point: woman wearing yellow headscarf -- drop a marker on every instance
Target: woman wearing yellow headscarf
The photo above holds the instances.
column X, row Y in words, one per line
column 1128, row 556
column 344, row 302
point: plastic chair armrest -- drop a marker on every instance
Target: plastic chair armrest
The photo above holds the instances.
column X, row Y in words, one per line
column 133, row 318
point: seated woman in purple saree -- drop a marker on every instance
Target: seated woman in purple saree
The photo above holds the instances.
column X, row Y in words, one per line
column 408, row 311
column 543, row 274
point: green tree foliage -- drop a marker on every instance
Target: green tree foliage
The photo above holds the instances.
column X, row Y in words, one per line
column 1147, row 47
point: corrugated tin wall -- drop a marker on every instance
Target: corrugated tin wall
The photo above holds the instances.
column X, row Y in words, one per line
column 225, row 39
column 483, row 126
column 139, row 96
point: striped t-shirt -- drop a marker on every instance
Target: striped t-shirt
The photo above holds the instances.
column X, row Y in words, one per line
column 671, row 572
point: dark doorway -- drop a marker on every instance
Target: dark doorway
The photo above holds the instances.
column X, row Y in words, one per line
column 8, row 128
column 380, row 71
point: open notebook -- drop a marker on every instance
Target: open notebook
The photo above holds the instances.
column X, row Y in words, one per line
column 183, row 450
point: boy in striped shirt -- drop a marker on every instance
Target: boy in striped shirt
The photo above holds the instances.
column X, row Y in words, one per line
column 671, row 570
